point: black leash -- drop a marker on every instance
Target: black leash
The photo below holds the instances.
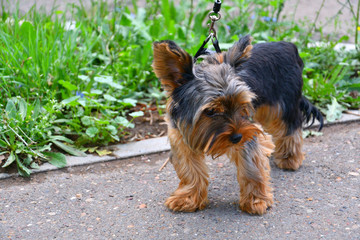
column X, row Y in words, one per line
column 214, row 16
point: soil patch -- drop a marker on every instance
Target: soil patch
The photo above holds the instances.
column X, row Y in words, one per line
column 151, row 125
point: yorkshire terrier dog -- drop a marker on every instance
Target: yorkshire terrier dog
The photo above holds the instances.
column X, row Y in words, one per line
column 229, row 104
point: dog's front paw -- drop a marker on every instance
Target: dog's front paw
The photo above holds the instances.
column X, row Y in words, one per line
column 256, row 205
column 185, row 203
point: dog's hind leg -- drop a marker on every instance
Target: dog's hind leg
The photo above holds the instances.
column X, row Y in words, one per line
column 288, row 147
column 193, row 174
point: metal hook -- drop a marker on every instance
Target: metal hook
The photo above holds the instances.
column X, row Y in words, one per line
column 214, row 16
column 212, row 29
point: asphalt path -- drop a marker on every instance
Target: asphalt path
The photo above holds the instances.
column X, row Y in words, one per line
column 124, row 199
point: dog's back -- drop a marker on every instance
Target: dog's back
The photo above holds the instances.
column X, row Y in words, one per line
column 274, row 74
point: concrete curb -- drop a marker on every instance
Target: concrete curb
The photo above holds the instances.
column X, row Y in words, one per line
column 149, row 146
column 352, row 116
column 121, row 151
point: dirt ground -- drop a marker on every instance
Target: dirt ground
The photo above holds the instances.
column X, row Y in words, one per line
column 303, row 9
column 124, row 199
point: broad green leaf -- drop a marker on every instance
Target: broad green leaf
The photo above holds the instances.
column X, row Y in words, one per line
column 137, row 114
column 129, row 101
column 102, row 122
column 109, row 98
column 123, row 122
column 96, row 91
column 10, row 160
column 104, row 79
column 92, row 131
column 70, row 100
column 34, row 165
column 22, row 109
column 26, row 28
column 68, row 85
column 115, row 137
column 112, row 129
column 44, row 148
column 116, row 85
column 10, row 109
column 27, row 34
column 334, row 110
column 84, row 78
column 27, row 161
column 36, row 110
column 87, row 121
column 80, row 111
column 56, row 159
column 82, row 102
column 69, row 149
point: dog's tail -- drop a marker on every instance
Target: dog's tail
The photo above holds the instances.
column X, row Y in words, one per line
column 310, row 112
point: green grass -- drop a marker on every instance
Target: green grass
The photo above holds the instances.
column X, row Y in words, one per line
column 68, row 82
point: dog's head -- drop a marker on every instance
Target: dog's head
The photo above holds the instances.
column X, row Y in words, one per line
column 207, row 102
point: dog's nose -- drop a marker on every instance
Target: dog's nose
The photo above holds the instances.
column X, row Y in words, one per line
column 235, row 138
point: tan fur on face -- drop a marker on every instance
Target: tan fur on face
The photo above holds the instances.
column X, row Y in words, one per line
column 238, row 109
column 288, row 149
column 222, row 144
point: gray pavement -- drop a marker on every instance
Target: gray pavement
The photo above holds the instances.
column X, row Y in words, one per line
column 124, row 199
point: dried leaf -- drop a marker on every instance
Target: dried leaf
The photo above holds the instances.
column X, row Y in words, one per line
column 103, row 152
column 141, row 206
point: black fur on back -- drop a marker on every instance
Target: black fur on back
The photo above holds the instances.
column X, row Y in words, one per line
column 274, row 74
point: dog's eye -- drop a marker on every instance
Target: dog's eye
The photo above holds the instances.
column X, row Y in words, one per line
column 210, row 112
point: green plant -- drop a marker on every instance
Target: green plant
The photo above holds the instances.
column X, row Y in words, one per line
column 27, row 134
column 331, row 75
column 70, row 82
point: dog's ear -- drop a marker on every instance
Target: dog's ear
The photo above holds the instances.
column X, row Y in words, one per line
column 240, row 52
column 172, row 65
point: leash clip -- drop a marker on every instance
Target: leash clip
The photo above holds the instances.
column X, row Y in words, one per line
column 214, row 17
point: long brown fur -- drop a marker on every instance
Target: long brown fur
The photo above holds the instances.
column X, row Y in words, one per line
column 254, row 176
column 193, row 174
column 288, row 153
